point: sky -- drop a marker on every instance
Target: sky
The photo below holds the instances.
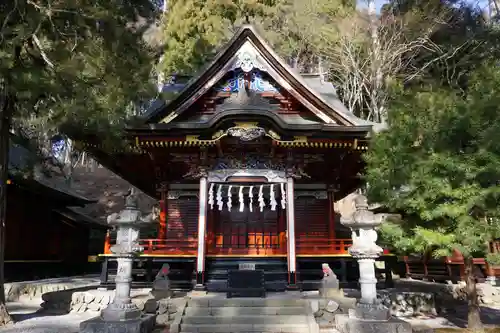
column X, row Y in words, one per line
column 379, row 3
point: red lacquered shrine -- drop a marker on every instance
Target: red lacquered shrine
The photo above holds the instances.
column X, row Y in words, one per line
column 247, row 161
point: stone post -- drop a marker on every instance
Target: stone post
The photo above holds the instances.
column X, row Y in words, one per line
column 122, row 311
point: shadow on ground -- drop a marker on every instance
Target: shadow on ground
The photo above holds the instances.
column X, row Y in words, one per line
column 458, row 315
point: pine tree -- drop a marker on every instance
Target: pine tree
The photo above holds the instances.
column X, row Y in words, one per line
column 439, row 164
column 193, row 30
column 76, row 62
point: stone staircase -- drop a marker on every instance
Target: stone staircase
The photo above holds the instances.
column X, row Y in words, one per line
column 206, row 315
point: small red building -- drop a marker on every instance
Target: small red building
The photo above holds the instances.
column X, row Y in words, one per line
column 44, row 236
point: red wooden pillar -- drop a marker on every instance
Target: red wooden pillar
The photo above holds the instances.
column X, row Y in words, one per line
column 210, row 232
column 331, row 213
column 282, row 229
column 162, row 227
column 107, row 243
column 290, row 236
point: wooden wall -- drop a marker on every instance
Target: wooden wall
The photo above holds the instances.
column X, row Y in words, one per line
column 313, row 234
column 35, row 232
column 311, row 217
column 317, row 230
column 182, row 218
column 41, row 243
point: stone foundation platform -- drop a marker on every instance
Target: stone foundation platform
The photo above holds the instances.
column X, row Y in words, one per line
column 37, row 288
column 408, row 303
column 145, row 324
column 79, row 301
column 95, row 300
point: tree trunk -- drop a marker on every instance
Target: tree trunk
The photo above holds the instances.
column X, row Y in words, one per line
column 6, row 111
column 473, row 317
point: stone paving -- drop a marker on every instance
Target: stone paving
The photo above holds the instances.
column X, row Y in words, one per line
column 29, row 320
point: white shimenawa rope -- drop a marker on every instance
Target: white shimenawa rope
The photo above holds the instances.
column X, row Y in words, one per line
column 219, row 197
column 273, row 198
column 229, row 201
column 283, row 196
column 211, row 196
column 250, row 196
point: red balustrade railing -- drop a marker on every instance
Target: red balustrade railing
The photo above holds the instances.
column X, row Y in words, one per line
column 322, row 246
column 188, row 247
column 170, row 246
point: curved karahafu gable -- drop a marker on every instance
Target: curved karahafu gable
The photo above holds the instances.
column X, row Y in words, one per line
column 247, row 54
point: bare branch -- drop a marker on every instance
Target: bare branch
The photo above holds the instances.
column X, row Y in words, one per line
column 366, row 53
column 42, row 52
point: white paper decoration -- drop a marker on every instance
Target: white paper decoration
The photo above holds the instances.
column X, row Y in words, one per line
column 273, row 195
column 219, row 197
column 273, row 198
column 262, row 204
column 229, row 201
column 240, row 199
column 211, row 196
column 250, row 196
column 283, row 196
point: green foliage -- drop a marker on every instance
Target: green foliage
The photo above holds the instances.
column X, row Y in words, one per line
column 68, row 64
column 439, row 164
column 193, row 30
column 77, row 62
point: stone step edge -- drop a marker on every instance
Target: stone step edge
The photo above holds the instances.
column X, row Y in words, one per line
column 251, row 308
column 275, row 311
column 203, row 303
column 287, row 322
column 245, row 318
column 245, row 327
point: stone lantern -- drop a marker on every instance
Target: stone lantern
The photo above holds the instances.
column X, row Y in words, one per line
column 364, row 248
column 122, row 311
column 369, row 315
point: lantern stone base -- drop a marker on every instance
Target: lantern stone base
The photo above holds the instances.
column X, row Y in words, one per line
column 346, row 324
column 370, row 318
column 145, row 324
column 370, row 312
column 121, row 312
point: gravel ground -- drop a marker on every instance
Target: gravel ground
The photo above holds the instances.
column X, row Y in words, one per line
column 29, row 321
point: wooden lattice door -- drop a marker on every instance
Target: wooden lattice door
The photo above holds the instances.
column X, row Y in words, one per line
column 238, row 230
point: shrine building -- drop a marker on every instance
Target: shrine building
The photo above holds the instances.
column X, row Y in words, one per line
column 247, row 160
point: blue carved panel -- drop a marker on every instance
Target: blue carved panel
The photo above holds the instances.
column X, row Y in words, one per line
column 237, row 83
